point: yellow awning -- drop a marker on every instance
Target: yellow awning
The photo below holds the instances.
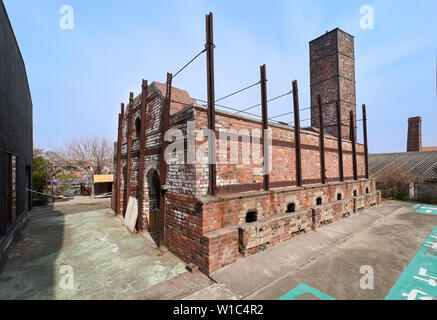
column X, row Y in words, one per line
column 103, row 178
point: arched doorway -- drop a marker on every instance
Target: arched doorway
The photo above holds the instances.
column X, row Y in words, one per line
column 154, row 194
column 154, row 187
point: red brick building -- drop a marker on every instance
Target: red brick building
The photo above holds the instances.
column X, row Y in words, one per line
column 414, row 140
column 244, row 214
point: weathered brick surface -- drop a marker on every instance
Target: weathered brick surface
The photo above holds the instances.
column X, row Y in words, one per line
column 332, row 65
column 213, row 231
column 414, row 141
column 256, row 236
column 283, row 154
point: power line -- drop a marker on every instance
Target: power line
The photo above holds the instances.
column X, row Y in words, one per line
column 239, row 111
column 273, row 99
column 236, row 92
column 174, row 76
column 272, row 119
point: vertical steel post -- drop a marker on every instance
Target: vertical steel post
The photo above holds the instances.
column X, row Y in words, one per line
column 211, row 102
column 366, row 147
column 354, row 146
column 129, row 148
column 142, row 155
column 165, row 116
column 322, row 142
column 118, row 173
column 339, row 141
column 297, row 134
column 265, row 126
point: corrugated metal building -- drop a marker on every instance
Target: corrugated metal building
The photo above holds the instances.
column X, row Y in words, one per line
column 421, row 164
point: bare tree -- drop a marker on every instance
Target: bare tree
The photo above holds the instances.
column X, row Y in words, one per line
column 395, row 176
column 94, row 153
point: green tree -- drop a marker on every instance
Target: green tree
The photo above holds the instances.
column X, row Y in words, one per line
column 66, row 176
column 40, row 167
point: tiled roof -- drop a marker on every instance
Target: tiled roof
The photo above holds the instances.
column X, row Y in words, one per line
column 423, row 163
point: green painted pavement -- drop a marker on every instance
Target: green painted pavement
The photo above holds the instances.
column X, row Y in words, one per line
column 108, row 261
column 425, row 209
column 302, row 289
column 417, row 282
column 419, row 279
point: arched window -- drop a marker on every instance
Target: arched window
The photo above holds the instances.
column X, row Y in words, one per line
column 355, row 193
column 319, row 201
column 137, row 127
column 291, row 208
column 338, row 196
column 367, row 190
column 251, row 216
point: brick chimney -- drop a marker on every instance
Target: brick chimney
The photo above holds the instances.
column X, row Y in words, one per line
column 332, row 65
column 414, row 142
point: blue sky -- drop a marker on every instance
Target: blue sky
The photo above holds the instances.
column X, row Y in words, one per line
column 79, row 77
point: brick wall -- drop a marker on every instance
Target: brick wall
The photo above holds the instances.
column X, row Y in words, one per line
column 414, row 142
column 213, row 231
column 248, row 177
column 332, row 75
column 222, row 217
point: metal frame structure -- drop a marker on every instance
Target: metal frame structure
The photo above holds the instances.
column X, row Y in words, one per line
column 265, row 126
column 340, row 143
column 299, row 181
column 322, row 142
column 211, row 102
column 211, row 113
column 129, row 150
column 118, row 173
column 140, row 191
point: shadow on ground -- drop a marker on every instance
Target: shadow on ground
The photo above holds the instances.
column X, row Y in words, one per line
column 108, row 262
column 27, row 270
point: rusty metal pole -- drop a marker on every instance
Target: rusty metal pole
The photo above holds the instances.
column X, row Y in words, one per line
column 165, row 125
column 297, row 134
column 265, row 126
column 211, row 102
column 354, row 146
column 115, row 192
column 339, row 142
column 118, row 173
column 366, row 147
column 129, row 149
column 140, row 194
column 322, row 142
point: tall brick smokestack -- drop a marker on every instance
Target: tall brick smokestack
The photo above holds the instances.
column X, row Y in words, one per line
column 332, row 67
column 414, row 142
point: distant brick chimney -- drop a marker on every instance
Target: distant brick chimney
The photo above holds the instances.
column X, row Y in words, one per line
column 414, row 142
column 332, row 65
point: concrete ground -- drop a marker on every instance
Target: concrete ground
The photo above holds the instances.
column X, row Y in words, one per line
column 326, row 264
column 108, row 262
